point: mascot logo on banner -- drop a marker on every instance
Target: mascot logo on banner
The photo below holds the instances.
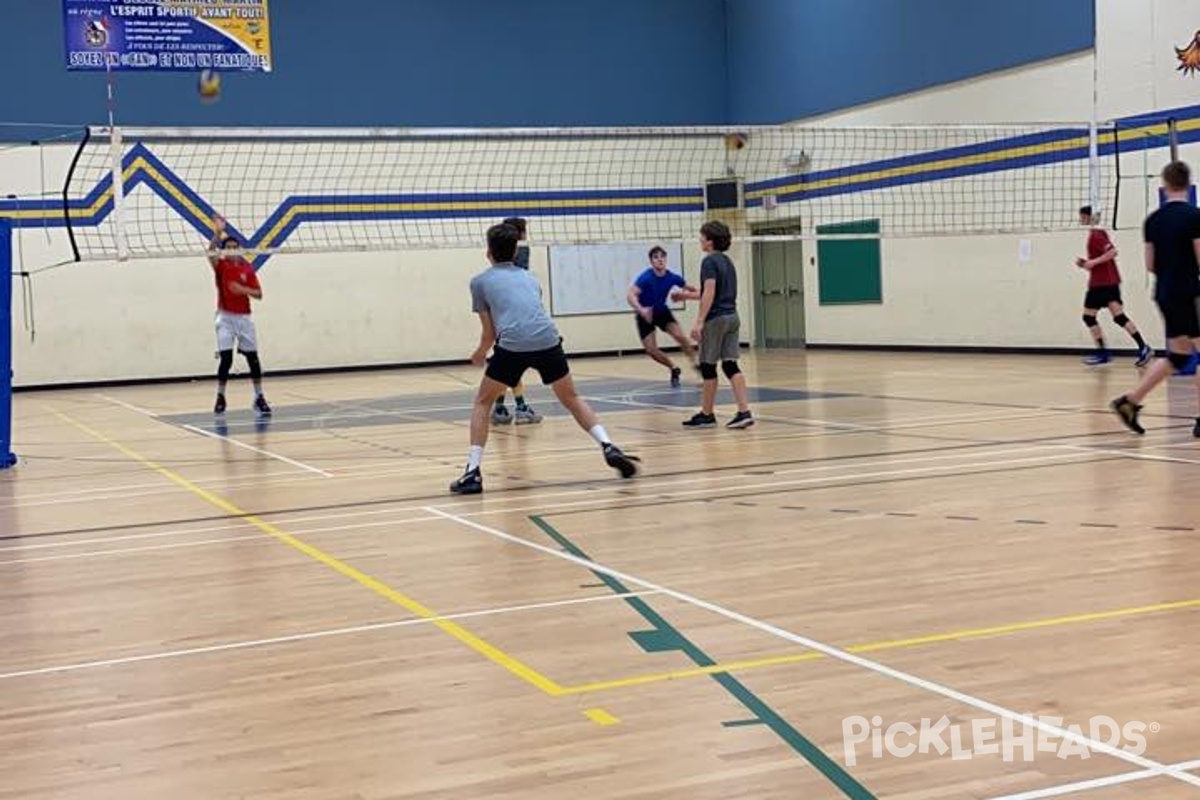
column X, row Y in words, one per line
column 1189, row 57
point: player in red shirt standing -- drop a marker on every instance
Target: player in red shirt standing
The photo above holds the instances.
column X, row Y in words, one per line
column 1104, row 291
column 237, row 282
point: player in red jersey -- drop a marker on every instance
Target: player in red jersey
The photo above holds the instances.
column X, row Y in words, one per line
column 1104, row 291
column 237, row 282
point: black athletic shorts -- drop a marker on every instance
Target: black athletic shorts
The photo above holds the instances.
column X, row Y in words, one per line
column 661, row 319
column 1182, row 316
column 507, row 366
column 1099, row 297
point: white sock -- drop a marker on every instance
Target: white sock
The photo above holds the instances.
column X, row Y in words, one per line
column 474, row 456
column 600, row 435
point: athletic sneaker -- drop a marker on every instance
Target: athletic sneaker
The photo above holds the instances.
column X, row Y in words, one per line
column 676, row 372
column 526, row 416
column 219, row 406
column 743, row 419
column 1144, row 355
column 619, row 461
column 260, row 405
column 1127, row 410
column 701, row 420
column 500, row 416
column 471, row 482
column 1097, row 359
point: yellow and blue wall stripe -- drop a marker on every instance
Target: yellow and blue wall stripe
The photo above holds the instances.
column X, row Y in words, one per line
column 140, row 166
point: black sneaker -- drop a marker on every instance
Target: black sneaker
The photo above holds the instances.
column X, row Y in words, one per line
column 471, row 482
column 676, row 372
column 260, row 405
column 219, row 406
column 620, row 462
column 743, row 419
column 701, row 420
column 1196, row 430
column 1127, row 410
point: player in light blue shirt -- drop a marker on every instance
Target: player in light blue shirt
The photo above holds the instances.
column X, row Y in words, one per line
column 521, row 335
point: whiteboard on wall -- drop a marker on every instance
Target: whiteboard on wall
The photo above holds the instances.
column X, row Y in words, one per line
column 594, row 278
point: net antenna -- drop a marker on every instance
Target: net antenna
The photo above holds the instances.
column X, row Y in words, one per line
column 153, row 192
column 116, row 148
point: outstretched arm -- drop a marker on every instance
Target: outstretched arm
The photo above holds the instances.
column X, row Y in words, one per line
column 214, row 244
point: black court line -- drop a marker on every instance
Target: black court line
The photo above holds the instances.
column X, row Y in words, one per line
column 960, row 444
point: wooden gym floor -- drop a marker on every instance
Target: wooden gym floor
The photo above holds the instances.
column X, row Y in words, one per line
column 299, row 610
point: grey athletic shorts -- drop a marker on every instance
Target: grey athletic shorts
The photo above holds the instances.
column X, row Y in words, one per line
column 719, row 339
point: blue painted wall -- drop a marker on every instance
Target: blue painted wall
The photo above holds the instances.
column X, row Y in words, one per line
column 796, row 58
column 556, row 62
column 410, row 62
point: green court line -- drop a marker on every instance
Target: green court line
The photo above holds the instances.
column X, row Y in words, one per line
column 664, row 637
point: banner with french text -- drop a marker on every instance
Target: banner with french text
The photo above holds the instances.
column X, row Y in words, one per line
column 131, row 35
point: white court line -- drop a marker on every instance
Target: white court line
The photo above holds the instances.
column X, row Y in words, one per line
column 302, row 637
column 124, row 551
column 369, row 470
column 537, row 500
column 835, row 653
column 1095, row 783
column 852, row 426
column 130, row 406
column 219, row 437
column 1129, row 454
column 259, row 450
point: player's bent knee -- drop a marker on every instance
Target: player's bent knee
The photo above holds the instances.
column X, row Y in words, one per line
column 730, row 368
column 1090, row 320
column 708, row 372
column 1121, row 319
column 224, row 364
column 254, row 364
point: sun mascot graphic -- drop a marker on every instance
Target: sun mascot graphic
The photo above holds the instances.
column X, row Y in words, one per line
column 1189, row 57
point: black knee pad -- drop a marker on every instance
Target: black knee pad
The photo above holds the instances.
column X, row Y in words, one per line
column 1121, row 319
column 254, row 364
column 708, row 372
column 1090, row 320
column 224, row 364
column 730, row 368
column 1179, row 360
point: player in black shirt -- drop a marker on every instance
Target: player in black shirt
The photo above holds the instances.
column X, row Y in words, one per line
column 1172, row 236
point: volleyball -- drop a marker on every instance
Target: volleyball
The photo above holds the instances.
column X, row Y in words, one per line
column 209, row 85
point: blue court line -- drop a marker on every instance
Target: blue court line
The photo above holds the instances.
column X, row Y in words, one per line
column 664, row 637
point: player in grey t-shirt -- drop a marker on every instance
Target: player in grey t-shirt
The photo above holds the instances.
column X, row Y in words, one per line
column 523, row 413
column 717, row 328
column 508, row 301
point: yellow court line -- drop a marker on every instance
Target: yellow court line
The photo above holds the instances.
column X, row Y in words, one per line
column 484, row 648
column 600, row 716
column 891, row 644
